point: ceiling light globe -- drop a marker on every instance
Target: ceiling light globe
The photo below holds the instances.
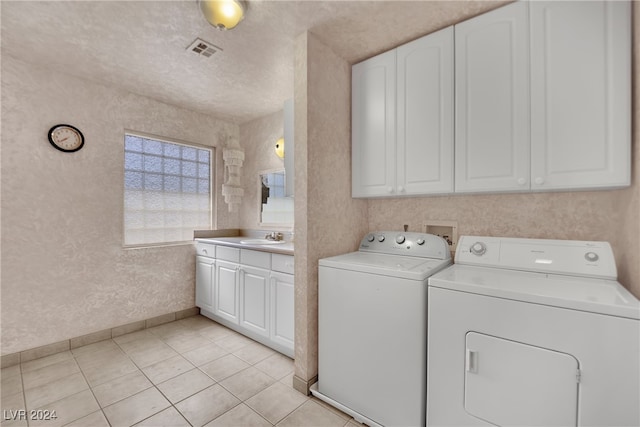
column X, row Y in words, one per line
column 223, row 14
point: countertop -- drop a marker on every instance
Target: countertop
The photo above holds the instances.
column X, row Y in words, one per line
column 280, row 248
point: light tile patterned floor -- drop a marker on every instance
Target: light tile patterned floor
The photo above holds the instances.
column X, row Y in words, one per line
column 192, row 372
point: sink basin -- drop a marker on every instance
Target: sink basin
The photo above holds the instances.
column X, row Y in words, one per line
column 262, row 242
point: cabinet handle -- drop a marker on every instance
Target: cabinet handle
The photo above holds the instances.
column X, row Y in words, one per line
column 389, row 189
column 401, row 189
column 539, row 180
column 522, row 181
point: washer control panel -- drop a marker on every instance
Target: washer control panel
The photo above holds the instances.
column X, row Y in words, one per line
column 571, row 257
column 406, row 243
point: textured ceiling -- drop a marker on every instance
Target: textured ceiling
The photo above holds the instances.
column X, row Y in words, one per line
column 140, row 46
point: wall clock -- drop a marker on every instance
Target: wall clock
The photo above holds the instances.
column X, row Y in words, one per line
column 66, row 138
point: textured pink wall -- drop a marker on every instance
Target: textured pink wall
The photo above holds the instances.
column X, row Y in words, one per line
column 258, row 138
column 64, row 270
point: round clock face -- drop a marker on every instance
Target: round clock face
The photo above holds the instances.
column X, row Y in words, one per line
column 66, row 138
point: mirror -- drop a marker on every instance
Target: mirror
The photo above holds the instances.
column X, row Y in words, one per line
column 275, row 207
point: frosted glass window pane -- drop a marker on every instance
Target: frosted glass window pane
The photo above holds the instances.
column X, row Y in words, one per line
column 153, row 201
column 172, row 183
column 189, row 185
column 133, row 200
column 134, row 143
column 154, row 219
column 152, row 164
column 175, row 234
column 189, row 169
column 172, row 150
column 134, row 219
column 189, row 153
column 190, row 202
column 133, row 180
column 167, row 191
column 151, row 146
column 173, row 202
column 203, row 170
column 152, row 181
column 203, row 156
column 132, row 161
column 172, row 219
column 172, row 166
column 203, row 186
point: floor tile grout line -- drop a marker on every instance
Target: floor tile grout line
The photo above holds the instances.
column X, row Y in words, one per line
column 207, row 341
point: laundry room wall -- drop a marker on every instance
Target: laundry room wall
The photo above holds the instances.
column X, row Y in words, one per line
column 65, row 272
column 612, row 216
column 327, row 220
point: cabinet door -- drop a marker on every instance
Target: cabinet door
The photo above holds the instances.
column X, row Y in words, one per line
column 254, row 299
column 373, row 126
column 425, row 115
column 492, row 101
column 282, row 309
column 205, row 279
column 580, row 94
column 226, row 296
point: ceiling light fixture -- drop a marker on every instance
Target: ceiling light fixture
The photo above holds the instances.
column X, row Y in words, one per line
column 223, row 14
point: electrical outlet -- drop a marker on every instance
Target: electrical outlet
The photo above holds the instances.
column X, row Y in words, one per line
column 448, row 230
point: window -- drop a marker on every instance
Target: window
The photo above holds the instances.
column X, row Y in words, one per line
column 167, row 190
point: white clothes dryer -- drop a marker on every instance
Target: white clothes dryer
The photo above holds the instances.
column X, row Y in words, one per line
column 532, row 332
column 372, row 327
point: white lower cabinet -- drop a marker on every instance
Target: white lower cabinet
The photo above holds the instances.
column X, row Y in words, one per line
column 282, row 313
column 226, row 295
column 248, row 291
column 205, row 276
column 254, row 297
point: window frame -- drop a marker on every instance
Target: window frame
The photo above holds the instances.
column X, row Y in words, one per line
column 168, row 140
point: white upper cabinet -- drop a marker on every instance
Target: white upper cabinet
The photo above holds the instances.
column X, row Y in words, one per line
column 580, row 94
column 424, row 144
column 373, row 126
column 492, row 101
column 542, row 102
column 402, row 106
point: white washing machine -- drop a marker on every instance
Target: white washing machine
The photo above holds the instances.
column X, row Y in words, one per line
column 372, row 323
column 532, row 332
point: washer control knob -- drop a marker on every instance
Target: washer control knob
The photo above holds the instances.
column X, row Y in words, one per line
column 478, row 248
column 399, row 238
column 381, row 238
column 591, row 256
column 420, row 242
column 371, row 238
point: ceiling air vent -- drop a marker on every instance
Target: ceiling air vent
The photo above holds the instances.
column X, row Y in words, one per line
column 203, row 48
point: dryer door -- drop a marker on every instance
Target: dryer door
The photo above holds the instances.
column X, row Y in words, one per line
column 508, row 383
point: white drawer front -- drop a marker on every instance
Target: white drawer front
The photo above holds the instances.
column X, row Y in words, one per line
column 203, row 249
column 228, row 254
column 282, row 263
column 255, row 258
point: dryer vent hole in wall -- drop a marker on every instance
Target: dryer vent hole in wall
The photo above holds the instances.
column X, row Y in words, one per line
column 203, row 48
column 448, row 230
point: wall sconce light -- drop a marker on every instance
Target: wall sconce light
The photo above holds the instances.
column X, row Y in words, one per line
column 223, row 14
column 280, row 148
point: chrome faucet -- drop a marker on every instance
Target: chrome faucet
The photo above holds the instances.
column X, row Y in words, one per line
column 274, row 236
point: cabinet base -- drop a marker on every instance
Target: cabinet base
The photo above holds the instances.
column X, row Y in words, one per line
column 259, row 338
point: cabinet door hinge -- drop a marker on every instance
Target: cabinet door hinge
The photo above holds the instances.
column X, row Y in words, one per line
column 578, row 375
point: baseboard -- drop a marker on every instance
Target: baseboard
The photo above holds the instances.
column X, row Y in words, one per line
column 105, row 334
